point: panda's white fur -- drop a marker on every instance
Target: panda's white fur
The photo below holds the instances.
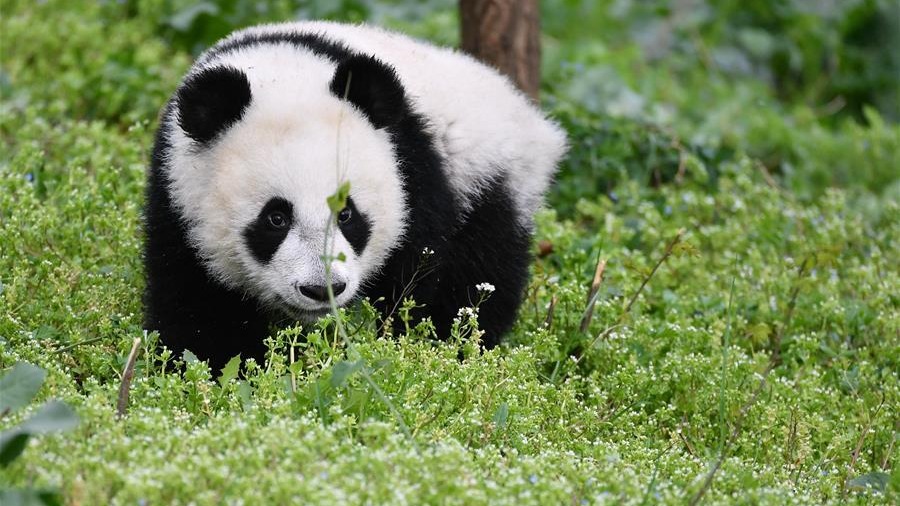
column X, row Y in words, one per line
column 298, row 140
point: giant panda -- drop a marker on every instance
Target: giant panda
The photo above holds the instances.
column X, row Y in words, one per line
column 446, row 163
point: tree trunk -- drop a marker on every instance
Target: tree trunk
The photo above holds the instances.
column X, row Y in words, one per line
column 506, row 35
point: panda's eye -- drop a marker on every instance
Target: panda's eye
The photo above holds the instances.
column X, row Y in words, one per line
column 345, row 215
column 277, row 220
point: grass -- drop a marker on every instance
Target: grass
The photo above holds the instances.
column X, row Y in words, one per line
column 752, row 360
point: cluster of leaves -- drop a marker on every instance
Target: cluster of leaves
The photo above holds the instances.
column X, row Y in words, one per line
column 626, row 120
column 839, row 56
column 18, row 388
column 634, row 406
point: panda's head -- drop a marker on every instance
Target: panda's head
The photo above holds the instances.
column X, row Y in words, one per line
column 258, row 144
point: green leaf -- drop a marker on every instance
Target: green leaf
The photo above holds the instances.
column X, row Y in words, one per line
column 382, row 363
column 19, row 386
column 321, row 394
column 184, row 19
column 759, row 333
column 189, row 357
column 759, row 43
column 54, row 416
column 875, row 481
column 343, row 370
column 28, row 497
column 501, row 415
column 338, row 201
column 245, row 394
column 12, row 444
column 230, row 371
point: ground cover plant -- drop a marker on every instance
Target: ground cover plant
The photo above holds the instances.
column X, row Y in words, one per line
column 712, row 318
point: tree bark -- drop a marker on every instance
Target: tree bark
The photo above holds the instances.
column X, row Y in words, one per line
column 506, row 35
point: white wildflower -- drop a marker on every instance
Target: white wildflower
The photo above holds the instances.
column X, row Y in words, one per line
column 467, row 312
column 485, row 287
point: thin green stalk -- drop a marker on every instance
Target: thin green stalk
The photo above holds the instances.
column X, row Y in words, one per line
column 339, row 326
column 723, row 379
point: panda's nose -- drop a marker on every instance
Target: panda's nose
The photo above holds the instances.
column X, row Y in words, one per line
column 319, row 293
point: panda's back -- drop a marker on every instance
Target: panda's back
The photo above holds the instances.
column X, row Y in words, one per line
column 485, row 129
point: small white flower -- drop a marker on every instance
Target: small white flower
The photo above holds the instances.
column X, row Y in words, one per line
column 426, row 251
column 467, row 312
column 485, row 287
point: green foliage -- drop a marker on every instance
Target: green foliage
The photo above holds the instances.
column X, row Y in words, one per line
column 680, row 119
column 18, row 387
column 840, row 56
column 196, row 25
column 51, row 417
column 627, row 120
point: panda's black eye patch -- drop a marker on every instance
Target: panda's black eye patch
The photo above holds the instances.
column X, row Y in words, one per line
column 355, row 226
column 265, row 234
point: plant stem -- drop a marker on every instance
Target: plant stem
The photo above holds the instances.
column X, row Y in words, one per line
column 127, row 376
column 668, row 252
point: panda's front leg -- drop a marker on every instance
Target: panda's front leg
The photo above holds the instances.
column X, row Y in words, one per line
column 214, row 323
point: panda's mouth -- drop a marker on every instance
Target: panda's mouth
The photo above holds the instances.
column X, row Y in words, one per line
column 300, row 313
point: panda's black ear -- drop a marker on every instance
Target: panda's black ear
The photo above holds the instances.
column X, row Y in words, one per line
column 212, row 100
column 373, row 87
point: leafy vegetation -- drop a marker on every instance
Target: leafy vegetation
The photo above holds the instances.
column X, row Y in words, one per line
column 17, row 388
column 735, row 165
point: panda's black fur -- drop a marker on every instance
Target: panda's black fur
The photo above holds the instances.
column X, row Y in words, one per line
column 483, row 242
column 182, row 302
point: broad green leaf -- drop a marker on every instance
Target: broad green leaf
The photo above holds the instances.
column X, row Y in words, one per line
column 12, row 443
column 501, row 415
column 875, row 481
column 19, row 386
column 381, row 363
column 759, row 333
column 28, row 497
column 342, row 371
column 189, row 357
column 757, row 42
column 53, row 416
column 230, row 371
column 245, row 394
